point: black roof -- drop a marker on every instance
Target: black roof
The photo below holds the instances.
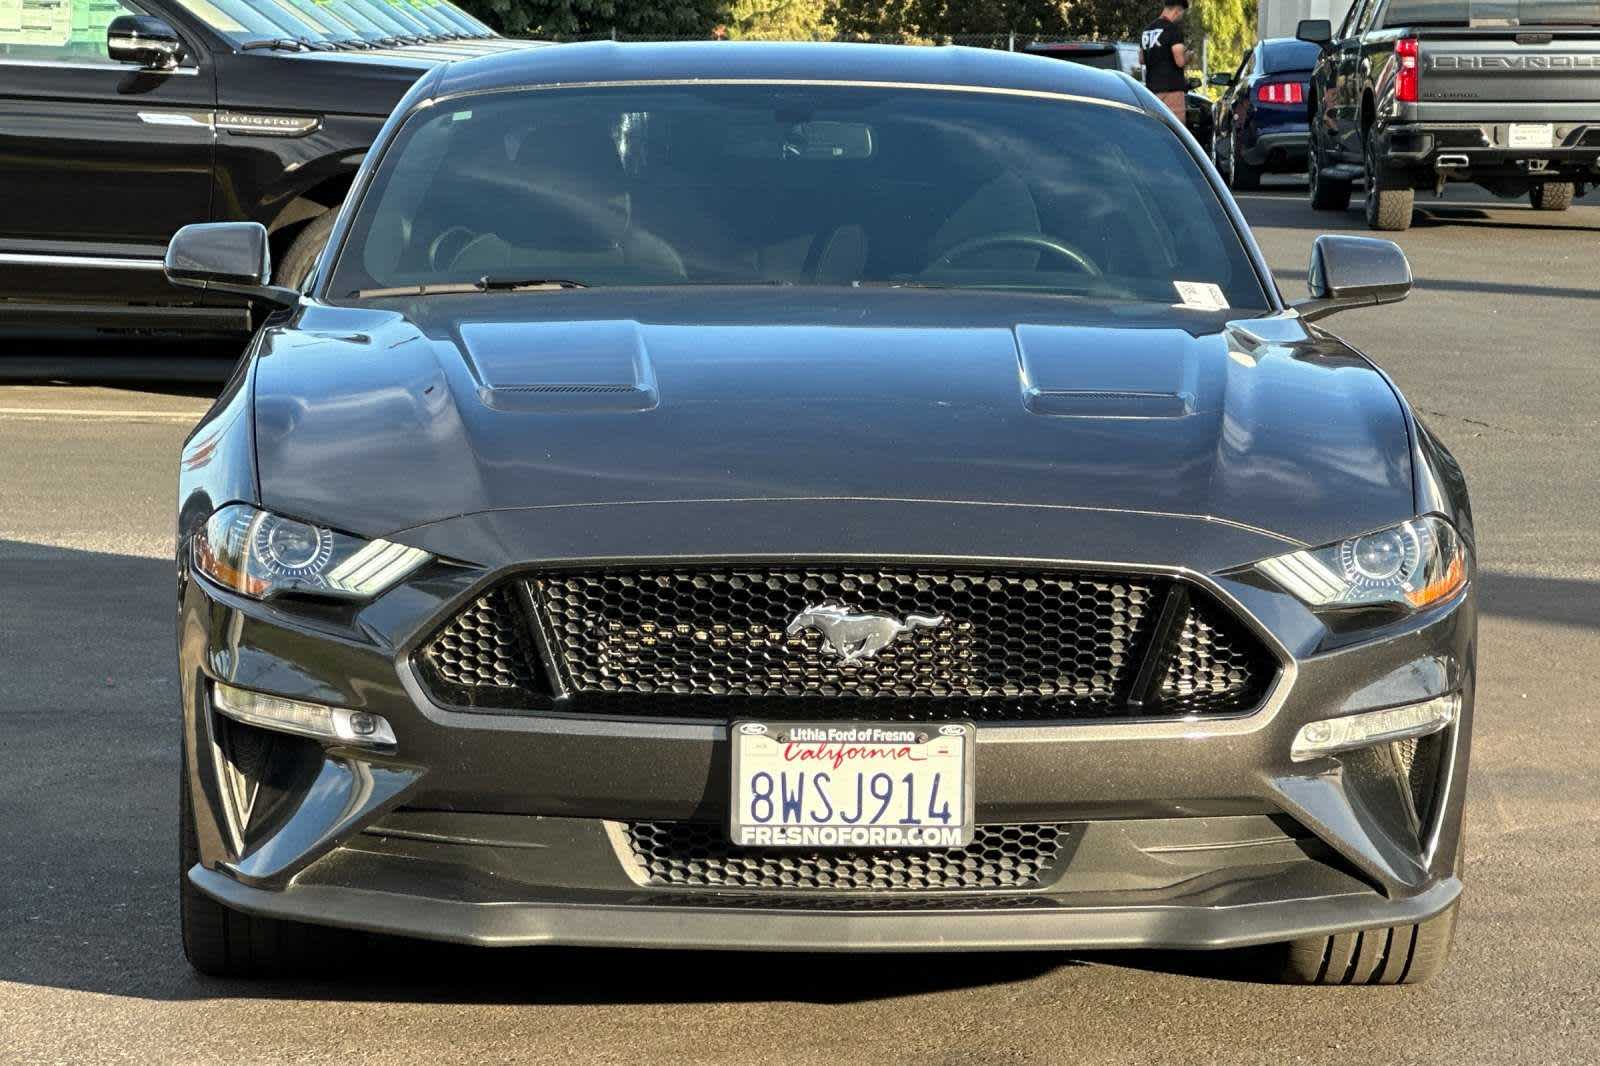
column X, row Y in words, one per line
column 608, row 61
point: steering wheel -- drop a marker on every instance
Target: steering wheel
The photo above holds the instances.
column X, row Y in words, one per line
column 1038, row 241
column 444, row 249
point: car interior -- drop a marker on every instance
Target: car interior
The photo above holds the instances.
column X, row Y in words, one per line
column 760, row 185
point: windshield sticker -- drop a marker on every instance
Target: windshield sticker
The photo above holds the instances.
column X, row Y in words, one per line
column 1200, row 296
column 40, row 23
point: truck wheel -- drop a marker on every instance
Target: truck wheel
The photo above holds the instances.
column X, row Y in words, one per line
column 1327, row 194
column 303, row 252
column 219, row 941
column 1389, row 955
column 1241, row 175
column 1555, row 196
column 1387, row 209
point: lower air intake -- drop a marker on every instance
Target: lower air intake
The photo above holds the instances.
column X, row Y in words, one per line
column 699, row 855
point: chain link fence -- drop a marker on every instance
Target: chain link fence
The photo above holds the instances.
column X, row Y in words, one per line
column 1014, row 42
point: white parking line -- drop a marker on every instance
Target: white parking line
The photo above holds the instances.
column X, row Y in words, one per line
column 89, row 414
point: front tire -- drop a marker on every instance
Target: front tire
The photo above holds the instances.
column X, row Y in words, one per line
column 1327, row 194
column 1555, row 196
column 219, row 941
column 303, row 251
column 1389, row 955
column 1387, row 209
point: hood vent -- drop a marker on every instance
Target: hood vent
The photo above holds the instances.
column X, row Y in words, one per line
column 561, row 366
column 1066, row 373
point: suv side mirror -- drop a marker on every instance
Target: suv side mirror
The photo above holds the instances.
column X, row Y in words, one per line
column 1351, row 272
column 230, row 257
column 1220, row 80
column 1315, row 31
column 146, row 40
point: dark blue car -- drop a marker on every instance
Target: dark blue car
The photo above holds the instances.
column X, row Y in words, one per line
column 1261, row 119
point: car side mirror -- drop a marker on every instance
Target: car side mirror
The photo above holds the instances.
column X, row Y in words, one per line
column 1220, row 80
column 1351, row 272
column 1315, row 31
column 231, row 257
column 146, row 40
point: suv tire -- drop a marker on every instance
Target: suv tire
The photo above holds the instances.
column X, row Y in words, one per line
column 1387, row 209
column 1327, row 194
column 303, row 251
column 1388, row 955
column 1555, row 196
column 219, row 941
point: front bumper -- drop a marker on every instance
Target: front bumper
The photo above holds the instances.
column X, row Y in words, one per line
column 503, row 828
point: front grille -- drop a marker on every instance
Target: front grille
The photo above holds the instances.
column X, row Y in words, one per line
column 982, row 644
column 1213, row 662
column 486, row 657
column 699, row 855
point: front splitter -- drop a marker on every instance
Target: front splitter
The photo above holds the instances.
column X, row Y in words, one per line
column 706, row 926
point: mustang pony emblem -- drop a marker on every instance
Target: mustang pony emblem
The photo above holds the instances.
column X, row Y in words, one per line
column 852, row 636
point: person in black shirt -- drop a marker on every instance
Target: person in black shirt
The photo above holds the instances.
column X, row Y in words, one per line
column 1164, row 57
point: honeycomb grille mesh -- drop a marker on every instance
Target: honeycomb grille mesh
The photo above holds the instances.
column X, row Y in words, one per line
column 699, row 855
column 1215, row 665
column 485, row 657
column 983, row 645
column 1013, row 645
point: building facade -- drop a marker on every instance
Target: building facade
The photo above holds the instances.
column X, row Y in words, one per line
column 1278, row 18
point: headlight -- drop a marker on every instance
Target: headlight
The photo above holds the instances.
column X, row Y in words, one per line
column 261, row 554
column 1411, row 565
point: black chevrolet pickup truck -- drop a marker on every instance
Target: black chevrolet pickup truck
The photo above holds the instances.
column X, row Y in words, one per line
column 122, row 120
column 1411, row 94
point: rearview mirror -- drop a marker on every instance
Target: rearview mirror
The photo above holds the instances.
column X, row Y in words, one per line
column 1315, row 31
column 1351, row 272
column 1192, row 83
column 146, row 40
column 230, row 257
column 1221, row 80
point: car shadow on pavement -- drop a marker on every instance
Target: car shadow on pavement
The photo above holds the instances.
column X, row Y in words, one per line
column 88, row 827
column 1441, row 215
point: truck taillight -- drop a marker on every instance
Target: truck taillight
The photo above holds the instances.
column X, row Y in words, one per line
column 1287, row 92
column 1405, row 57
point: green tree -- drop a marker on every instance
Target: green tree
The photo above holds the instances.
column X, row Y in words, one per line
column 778, row 20
column 1228, row 29
column 593, row 18
column 1111, row 19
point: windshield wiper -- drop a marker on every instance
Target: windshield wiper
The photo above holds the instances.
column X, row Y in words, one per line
column 282, row 43
column 481, row 285
column 488, row 284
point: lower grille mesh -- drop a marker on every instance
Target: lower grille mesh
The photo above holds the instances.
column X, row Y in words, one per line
column 699, row 855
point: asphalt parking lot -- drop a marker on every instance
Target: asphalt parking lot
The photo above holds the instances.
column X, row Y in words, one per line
column 1497, row 346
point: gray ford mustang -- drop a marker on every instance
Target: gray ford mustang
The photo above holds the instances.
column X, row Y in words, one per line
column 814, row 497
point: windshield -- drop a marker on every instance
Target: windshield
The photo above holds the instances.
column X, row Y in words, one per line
column 1493, row 13
column 794, row 184
column 330, row 22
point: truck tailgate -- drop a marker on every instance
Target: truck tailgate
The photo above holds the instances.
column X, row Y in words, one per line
column 1510, row 66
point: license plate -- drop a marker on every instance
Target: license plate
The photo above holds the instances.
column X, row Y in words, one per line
column 1532, row 135
column 852, row 785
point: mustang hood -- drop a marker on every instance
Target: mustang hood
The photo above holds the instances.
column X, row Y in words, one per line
column 378, row 420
